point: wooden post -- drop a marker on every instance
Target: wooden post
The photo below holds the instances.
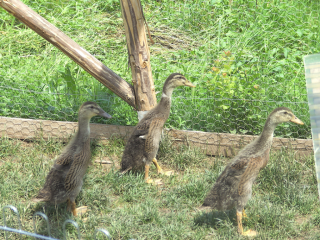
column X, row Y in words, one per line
column 89, row 63
column 139, row 55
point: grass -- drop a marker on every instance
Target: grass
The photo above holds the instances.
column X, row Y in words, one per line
column 284, row 204
column 246, row 60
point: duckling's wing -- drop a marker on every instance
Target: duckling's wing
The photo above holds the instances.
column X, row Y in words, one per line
column 143, row 127
column 143, row 143
column 77, row 170
column 66, row 157
column 154, row 135
column 252, row 168
column 53, row 189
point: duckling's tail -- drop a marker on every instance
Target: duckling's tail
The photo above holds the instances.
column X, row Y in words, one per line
column 126, row 163
column 37, row 199
column 42, row 196
column 212, row 199
column 125, row 171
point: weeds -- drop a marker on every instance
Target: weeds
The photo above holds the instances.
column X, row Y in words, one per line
column 257, row 46
column 284, row 202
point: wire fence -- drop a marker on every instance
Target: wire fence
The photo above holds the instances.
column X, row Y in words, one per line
column 9, row 232
column 244, row 56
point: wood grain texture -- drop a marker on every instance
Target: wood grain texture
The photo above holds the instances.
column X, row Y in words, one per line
column 139, row 55
column 223, row 144
column 229, row 145
column 21, row 128
column 55, row 36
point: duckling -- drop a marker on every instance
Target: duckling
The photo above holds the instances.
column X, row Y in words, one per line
column 233, row 187
column 143, row 144
column 65, row 179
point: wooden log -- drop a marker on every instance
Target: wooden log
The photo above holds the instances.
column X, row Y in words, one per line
column 29, row 129
column 228, row 145
column 89, row 63
column 223, row 144
column 139, row 55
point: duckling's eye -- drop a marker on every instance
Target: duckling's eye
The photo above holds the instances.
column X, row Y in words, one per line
column 285, row 112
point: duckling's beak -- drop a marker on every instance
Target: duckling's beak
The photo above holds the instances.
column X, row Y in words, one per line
column 189, row 84
column 296, row 120
column 104, row 114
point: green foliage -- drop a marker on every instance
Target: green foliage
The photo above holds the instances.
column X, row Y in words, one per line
column 256, row 45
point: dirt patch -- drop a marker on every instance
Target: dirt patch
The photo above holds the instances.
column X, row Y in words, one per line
column 170, row 38
column 107, row 163
column 166, row 210
column 302, row 219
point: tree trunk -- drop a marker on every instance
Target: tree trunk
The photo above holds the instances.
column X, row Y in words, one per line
column 89, row 63
column 139, row 55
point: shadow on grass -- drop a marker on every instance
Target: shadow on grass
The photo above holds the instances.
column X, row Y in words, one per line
column 216, row 219
column 57, row 215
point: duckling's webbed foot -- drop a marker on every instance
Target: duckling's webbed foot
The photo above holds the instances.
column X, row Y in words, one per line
column 149, row 180
column 81, row 210
column 71, row 207
column 154, row 181
column 249, row 233
column 76, row 211
column 159, row 169
column 244, row 215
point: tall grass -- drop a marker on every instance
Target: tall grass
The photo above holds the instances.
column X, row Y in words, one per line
column 284, row 202
column 246, row 60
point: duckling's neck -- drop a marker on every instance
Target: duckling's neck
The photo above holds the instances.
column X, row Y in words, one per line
column 166, row 98
column 83, row 128
column 167, row 90
column 267, row 133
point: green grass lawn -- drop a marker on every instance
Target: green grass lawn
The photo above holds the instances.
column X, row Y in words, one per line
column 284, row 202
column 235, row 92
column 246, row 60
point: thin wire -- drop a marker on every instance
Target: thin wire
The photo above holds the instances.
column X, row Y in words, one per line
column 21, row 232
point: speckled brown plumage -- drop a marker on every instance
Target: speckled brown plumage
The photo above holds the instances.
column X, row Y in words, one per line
column 143, row 144
column 233, row 187
column 65, row 179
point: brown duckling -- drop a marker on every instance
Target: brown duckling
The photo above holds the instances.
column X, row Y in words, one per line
column 143, row 144
column 65, row 179
column 233, row 187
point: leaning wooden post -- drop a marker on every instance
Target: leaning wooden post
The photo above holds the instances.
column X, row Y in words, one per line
column 88, row 62
column 139, row 55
